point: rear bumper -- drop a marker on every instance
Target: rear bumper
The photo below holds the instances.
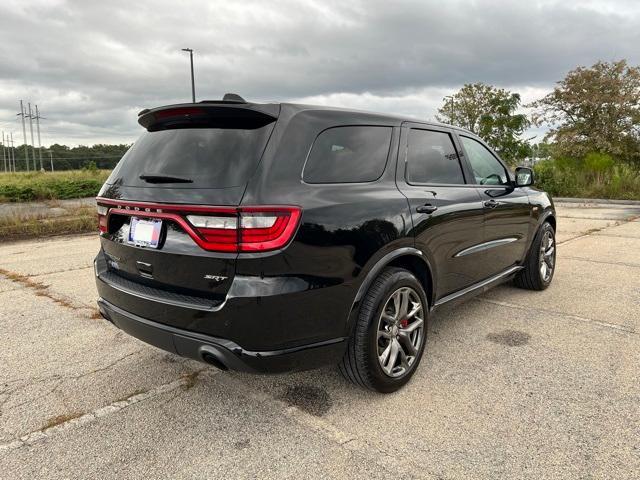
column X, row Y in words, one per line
column 220, row 352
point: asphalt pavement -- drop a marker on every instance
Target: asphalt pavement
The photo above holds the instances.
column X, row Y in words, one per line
column 514, row 384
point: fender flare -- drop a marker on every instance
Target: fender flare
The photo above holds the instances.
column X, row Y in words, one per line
column 548, row 212
column 379, row 266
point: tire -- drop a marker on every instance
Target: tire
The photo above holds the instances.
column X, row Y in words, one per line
column 369, row 360
column 534, row 276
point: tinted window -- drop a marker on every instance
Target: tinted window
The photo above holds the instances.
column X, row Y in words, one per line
column 432, row 158
column 486, row 168
column 211, row 157
column 348, row 154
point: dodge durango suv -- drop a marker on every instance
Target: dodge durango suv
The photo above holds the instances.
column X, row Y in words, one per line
column 276, row 237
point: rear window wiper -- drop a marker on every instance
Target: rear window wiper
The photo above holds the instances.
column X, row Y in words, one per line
column 164, row 179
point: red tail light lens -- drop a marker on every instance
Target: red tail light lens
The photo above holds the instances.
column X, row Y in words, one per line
column 178, row 112
column 102, row 218
column 263, row 229
column 252, row 229
column 219, row 229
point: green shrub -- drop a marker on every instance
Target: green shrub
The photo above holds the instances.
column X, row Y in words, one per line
column 91, row 167
column 597, row 175
column 22, row 187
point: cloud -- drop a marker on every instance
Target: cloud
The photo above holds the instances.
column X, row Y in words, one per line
column 91, row 65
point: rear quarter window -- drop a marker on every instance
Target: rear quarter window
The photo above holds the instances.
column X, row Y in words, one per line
column 351, row 154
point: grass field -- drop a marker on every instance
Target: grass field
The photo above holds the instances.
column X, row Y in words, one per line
column 16, row 226
column 32, row 186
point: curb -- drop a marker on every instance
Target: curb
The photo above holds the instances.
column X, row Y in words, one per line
column 596, row 200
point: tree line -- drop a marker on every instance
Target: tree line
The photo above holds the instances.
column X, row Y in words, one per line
column 102, row 156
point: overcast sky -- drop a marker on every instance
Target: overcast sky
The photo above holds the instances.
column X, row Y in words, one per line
column 92, row 65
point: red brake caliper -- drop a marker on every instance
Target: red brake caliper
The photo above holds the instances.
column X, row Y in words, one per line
column 404, row 322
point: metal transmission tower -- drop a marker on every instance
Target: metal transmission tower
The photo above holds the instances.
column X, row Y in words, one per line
column 33, row 149
column 38, row 117
column 24, row 135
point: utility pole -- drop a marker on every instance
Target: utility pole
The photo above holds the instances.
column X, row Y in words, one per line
column 13, row 153
column 38, row 117
column 33, row 150
column 4, row 154
column 51, row 159
column 193, row 83
column 24, row 135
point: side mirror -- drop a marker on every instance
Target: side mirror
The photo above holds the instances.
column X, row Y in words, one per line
column 524, row 177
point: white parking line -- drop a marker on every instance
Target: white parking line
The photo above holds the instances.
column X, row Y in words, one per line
column 613, row 326
column 92, row 416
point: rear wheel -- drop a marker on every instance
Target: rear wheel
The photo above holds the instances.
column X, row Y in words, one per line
column 389, row 337
column 540, row 263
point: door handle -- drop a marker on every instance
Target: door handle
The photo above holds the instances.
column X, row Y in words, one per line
column 491, row 203
column 426, row 209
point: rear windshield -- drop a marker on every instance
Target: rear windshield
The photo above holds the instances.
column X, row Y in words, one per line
column 209, row 157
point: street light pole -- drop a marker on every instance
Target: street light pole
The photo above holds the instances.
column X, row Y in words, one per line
column 193, row 83
column 451, row 107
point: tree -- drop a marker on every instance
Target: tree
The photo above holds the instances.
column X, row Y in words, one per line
column 594, row 109
column 542, row 150
column 490, row 113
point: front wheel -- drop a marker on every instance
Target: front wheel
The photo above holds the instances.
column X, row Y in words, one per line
column 390, row 333
column 540, row 263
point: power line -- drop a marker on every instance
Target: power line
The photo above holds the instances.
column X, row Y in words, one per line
column 87, row 158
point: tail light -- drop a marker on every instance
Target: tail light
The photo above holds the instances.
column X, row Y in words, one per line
column 102, row 218
column 264, row 229
column 219, row 229
column 249, row 229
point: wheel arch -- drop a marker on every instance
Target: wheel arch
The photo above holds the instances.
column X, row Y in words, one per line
column 548, row 215
column 551, row 218
column 408, row 258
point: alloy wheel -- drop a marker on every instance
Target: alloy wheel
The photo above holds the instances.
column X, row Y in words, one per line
column 547, row 256
column 400, row 332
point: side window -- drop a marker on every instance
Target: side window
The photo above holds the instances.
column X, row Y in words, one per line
column 432, row 158
column 348, row 154
column 486, row 168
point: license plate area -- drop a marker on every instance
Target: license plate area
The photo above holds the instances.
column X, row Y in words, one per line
column 144, row 233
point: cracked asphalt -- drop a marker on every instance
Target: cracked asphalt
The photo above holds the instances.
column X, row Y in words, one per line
column 514, row 384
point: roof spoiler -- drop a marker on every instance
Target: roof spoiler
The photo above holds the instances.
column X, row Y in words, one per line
column 231, row 112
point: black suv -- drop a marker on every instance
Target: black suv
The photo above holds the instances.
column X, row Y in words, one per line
column 275, row 237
